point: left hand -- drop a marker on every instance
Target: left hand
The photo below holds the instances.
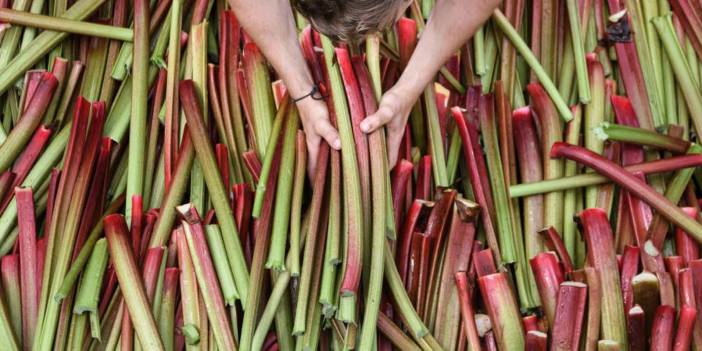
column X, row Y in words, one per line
column 393, row 111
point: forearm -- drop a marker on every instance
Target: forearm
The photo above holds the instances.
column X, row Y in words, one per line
column 271, row 25
column 451, row 24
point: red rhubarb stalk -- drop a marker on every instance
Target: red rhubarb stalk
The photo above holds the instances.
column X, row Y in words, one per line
column 685, row 245
column 548, row 276
column 662, row 331
column 632, row 184
column 570, row 310
column 28, row 261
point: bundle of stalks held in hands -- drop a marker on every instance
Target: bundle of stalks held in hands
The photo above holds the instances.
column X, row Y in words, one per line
column 154, row 195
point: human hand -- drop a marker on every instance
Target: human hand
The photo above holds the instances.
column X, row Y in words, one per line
column 394, row 108
column 315, row 121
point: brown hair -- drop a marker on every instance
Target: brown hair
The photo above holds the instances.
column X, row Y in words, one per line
column 349, row 19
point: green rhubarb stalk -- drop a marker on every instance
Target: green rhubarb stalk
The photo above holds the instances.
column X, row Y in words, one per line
column 681, row 69
column 297, row 198
column 197, row 61
column 650, row 11
column 215, row 186
column 640, row 136
column 166, row 319
column 594, row 116
column 269, row 156
column 189, row 294
column 281, row 214
column 60, row 24
column 263, row 107
column 139, row 101
column 88, row 295
column 219, row 257
column 43, row 43
column 523, row 49
column 130, row 280
column 6, row 331
column 572, row 136
column 436, row 143
column 579, row 51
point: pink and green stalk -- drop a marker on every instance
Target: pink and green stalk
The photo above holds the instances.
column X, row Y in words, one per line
column 352, row 177
column 594, row 116
column 551, row 132
column 416, row 218
column 130, row 279
column 261, row 95
column 530, row 170
column 503, row 311
column 594, row 306
column 217, row 192
column 10, row 279
column 31, row 118
column 206, row 277
column 582, row 180
column 632, row 184
column 189, row 295
column 601, row 254
column 166, row 320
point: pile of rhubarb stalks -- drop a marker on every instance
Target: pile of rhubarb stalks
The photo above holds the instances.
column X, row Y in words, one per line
column 154, row 192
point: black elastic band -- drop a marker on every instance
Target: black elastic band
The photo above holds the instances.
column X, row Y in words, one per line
column 314, row 94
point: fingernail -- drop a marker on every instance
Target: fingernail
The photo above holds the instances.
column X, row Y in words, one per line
column 364, row 127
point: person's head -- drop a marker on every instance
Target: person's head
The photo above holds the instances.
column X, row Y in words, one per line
column 350, row 19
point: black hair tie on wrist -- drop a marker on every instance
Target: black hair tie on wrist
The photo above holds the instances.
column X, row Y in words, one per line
column 314, row 94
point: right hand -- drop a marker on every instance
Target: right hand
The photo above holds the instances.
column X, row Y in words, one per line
column 315, row 120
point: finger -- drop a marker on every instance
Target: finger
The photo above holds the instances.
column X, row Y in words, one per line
column 328, row 132
column 377, row 120
column 312, row 153
column 394, row 138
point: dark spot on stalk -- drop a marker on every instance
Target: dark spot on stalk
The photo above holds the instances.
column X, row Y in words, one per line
column 619, row 32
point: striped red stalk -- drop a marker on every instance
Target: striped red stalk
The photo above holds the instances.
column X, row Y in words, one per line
column 530, row 323
column 459, row 244
column 401, row 182
column 687, row 13
column 31, row 152
column 436, row 235
column 484, row 263
column 631, row 183
column 570, row 310
column 415, row 221
column 12, row 298
column 253, row 163
column 662, row 331
column 6, row 180
column 548, row 276
column 243, row 202
column 477, row 170
column 696, row 269
column 636, row 328
column 594, row 306
column 632, row 73
column 686, row 323
column 673, row 264
column 536, row 341
column 137, row 224
column 150, row 271
column 629, row 269
column 666, row 288
column 222, row 156
column 29, row 275
column 424, row 178
column 685, row 245
column 553, row 242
